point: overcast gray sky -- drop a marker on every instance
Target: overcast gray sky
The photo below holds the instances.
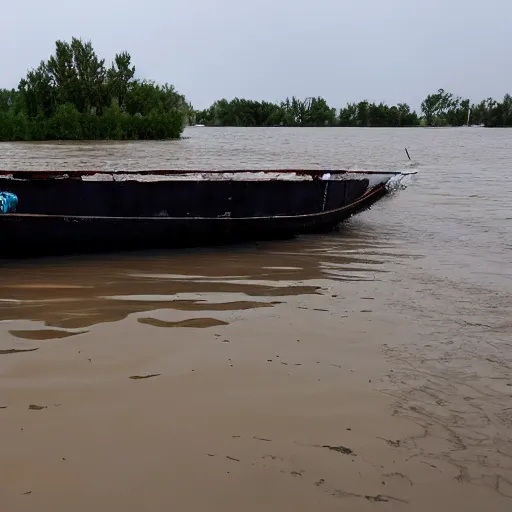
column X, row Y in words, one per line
column 343, row 50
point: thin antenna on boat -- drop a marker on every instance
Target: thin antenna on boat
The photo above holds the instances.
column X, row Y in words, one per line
column 407, row 152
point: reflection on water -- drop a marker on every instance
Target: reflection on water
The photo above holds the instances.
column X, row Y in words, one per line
column 16, row 350
column 197, row 323
column 42, row 334
column 75, row 293
column 452, row 223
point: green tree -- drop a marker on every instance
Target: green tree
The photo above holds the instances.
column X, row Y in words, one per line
column 120, row 77
column 348, row 115
column 435, row 107
column 73, row 95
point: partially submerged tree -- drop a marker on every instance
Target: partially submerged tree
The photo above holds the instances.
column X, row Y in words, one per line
column 73, row 95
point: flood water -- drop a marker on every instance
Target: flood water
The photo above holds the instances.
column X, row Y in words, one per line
column 414, row 297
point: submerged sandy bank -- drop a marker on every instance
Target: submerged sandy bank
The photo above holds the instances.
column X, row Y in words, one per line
column 317, row 400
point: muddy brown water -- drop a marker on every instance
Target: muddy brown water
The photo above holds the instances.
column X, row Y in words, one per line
column 391, row 338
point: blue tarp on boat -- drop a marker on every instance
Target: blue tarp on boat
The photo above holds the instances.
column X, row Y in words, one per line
column 8, row 202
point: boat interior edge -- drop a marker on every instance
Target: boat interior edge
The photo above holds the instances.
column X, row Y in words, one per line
column 181, row 198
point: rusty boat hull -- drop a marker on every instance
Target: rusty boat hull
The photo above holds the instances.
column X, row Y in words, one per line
column 90, row 211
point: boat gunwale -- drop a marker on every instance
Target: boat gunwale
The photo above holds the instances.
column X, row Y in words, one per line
column 313, row 173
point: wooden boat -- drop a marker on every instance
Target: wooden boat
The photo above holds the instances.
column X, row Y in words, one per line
column 87, row 211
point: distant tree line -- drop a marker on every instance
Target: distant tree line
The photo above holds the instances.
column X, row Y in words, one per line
column 74, row 96
column 445, row 109
column 439, row 109
column 309, row 112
